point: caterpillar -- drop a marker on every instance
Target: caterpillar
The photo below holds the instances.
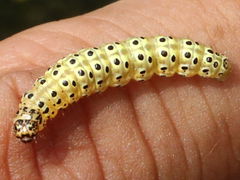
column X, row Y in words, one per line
column 94, row 69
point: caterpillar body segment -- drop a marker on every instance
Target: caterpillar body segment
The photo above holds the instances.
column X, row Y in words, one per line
column 95, row 69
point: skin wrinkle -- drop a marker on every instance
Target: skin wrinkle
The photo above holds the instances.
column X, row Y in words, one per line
column 31, row 63
column 141, row 132
column 52, row 143
column 193, row 138
column 9, row 74
column 7, row 154
column 218, row 25
column 227, row 163
column 104, row 175
column 210, row 112
column 119, row 167
column 39, row 45
column 2, row 75
column 228, row 132
column 18, row 66
column 46, row 48
column 8, row 136
column 3, row 66
column 36, row 161
column 58, row 160
column 158, row 21
column 80, row 41
column 63, row 166
column 214, row 119
column 87, row 113
column 200, row 161
column 122, row 27
column 228, row 136
column 85, row 43
column 218, row 32
column 171, row 122
column 96, row 153
column 230, row 140
column 211, row 150
column 122, row 172
column 11, row 82
column 73, row 176
column 182, row 20
column 143, row 16
column 72, row 147
column 109, row 22
column 10, row 85
column 100, row 165
column 224, row 17
column 161, row 104
column 187, row 26
column 202, row 19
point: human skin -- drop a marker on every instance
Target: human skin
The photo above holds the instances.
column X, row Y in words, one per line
column 166, row 128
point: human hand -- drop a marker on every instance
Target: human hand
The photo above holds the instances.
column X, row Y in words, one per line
column 166, row 128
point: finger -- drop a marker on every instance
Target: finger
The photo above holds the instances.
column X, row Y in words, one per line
column 106, row 31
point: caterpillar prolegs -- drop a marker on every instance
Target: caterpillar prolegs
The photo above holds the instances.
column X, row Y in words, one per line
column 94, row 69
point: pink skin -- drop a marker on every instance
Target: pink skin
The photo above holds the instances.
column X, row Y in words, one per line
column 167, row 128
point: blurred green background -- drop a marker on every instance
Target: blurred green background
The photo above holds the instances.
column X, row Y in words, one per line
column 17, row 15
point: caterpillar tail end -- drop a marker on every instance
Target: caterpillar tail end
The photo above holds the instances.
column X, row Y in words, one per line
column 225, row 70
column 226, row 75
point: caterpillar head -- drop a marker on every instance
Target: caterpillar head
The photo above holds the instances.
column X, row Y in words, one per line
column 26, row 125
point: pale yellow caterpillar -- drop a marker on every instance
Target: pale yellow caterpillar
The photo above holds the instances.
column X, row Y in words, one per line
column 94, row 69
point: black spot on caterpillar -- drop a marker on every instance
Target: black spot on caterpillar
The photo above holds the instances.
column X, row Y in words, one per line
column 93, row 70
